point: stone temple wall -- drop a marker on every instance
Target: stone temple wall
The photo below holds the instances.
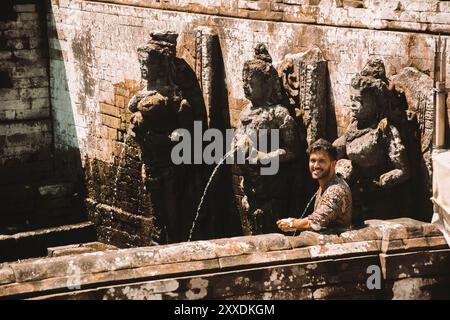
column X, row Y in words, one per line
column 94, row 71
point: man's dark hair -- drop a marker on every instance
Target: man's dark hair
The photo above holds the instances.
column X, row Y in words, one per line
column 323, row 145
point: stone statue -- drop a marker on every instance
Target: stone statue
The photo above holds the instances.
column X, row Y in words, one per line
column 373, row 157
column 266, row 196
column 158, row 109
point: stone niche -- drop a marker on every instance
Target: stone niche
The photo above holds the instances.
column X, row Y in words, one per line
column 296, row 95
column 303, row 80
column 143, row 198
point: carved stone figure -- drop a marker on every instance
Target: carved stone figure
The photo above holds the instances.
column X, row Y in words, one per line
column 266, row 196
column 158, row 109
column 374, row 158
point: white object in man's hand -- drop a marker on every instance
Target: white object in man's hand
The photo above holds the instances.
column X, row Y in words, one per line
column 287, row 224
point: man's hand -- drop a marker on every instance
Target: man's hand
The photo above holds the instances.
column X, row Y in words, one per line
column 292, row 224
column 287, row 225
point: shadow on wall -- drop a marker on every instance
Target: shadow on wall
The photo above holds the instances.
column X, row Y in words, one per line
column 38, row 186
column 220, row 216
column 331, row 129
column 67, row 156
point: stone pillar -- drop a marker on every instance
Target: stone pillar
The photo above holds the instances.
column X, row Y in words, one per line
column 312, row 93
column 206, row 41
column 304, row 79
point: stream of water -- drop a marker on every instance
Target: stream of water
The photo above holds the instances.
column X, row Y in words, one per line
column 206, row 189
column 119, row 167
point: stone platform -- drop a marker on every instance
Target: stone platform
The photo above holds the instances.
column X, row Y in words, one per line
column 412, row 257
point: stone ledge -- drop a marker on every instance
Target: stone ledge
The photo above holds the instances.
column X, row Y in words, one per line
column 403, row 228
column 132, row 274
column 268, row 281
column 47, row 274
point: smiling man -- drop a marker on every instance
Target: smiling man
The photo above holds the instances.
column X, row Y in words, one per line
column 333, row 206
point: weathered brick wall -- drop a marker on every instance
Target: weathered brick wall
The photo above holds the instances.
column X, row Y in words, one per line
column 93, row 55
column 25, row 126
column 109, row 53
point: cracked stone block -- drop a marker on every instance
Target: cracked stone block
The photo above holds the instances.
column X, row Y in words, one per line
column 413, row 264
column 401, row 228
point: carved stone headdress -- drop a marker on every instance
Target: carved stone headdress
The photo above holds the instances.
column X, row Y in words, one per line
column 372, row 81
column 156, row 57
column 262, row 66
column 163, row 43
column 372, row 77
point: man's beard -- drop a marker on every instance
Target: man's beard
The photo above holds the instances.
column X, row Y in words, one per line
column 324, row 173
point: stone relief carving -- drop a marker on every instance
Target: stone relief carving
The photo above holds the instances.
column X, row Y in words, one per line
column 377, row 151
column 157, row 110
column 266, row 196
column 374, row 158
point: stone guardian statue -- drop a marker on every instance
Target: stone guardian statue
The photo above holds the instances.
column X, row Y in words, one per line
column 267, row 197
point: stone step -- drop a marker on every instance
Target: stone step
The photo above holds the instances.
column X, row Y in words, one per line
column 34, row 243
